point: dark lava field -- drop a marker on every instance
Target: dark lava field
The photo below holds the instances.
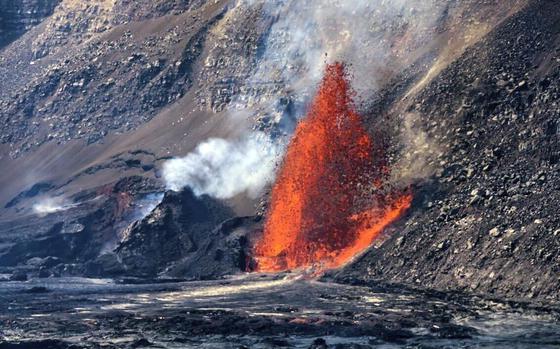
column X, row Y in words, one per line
column 263, row 311
column 275, row 174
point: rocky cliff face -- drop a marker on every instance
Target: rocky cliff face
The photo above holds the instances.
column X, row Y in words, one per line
column 153, row 69
column 17, row 17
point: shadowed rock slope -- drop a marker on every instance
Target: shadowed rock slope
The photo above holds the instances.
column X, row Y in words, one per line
column 17, row 17
column 488, row 220
column 189, row 237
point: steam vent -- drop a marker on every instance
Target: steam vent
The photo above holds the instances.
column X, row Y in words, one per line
column 279, row 174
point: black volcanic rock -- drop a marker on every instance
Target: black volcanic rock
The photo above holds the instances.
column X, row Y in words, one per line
column 35, row 190
column 18, row 275
column 187, row 236
column 70, row 241
column 487, row 221
column 224, row 251
column 81, row 245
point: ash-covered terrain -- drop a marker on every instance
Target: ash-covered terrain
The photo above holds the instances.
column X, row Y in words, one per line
column 141, row 140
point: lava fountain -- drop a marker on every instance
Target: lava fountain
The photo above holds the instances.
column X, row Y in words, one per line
column 330, row 199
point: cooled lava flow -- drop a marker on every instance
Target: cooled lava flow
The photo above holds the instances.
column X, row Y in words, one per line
column 327, row 204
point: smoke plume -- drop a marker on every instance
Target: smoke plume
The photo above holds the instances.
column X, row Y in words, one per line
column 225, row 168
column 372, row 37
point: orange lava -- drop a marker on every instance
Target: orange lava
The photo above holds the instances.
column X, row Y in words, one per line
column 326, row 204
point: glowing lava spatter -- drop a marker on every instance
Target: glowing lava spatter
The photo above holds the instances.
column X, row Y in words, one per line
column 325, row 205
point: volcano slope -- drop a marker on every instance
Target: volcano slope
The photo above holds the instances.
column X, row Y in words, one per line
column 95, row 96
column 487, row 221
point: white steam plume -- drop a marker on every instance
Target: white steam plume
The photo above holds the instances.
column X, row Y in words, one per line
column 48, row 205
column 225, row 168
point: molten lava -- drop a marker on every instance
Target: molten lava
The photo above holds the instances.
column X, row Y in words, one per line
column 327, row 204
